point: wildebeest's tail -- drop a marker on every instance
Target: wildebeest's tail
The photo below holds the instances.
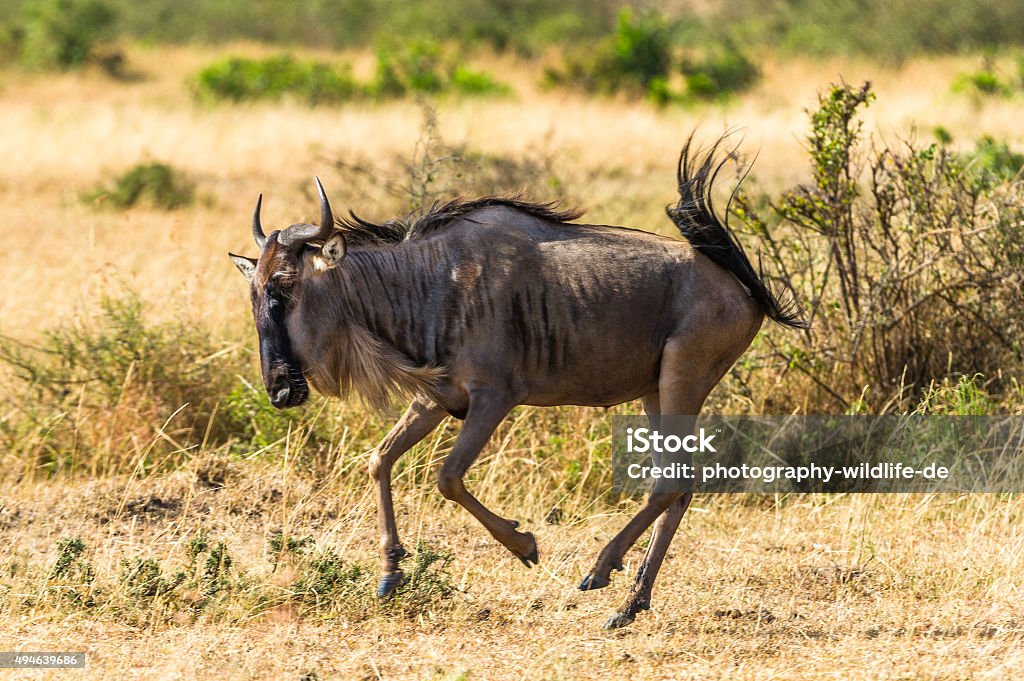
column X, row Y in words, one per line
column 694, row 215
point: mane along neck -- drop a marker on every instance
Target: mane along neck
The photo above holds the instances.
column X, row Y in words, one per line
column 360, row 232
column 354, row 355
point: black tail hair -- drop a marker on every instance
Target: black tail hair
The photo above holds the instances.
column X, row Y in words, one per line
column 694, row 215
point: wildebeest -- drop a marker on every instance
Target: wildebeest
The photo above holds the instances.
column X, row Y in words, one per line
column 481, row 305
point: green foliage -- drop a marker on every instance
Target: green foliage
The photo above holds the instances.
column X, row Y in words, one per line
column 142, row 578
column 907, row 277
column 280, row 544
column 465, row 80
column 424, row 67
column 719, row 73
column 415, row 66
column 412, row 67
column 153, row 183
column 61, row 34
column 68, row 551
column 429, row 581
column 635, row 59
column 985, row 82
column 958, row 396
column 526, row 26
column 247, row 412
column 994, row 161
column 216, row 570
column 325, row 580
column 71, row 579
column 879, row 29
column 239, row 79
column 641, row 48
column 639, row 59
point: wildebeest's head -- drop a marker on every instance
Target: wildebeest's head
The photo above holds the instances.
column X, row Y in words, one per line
column 276, row 279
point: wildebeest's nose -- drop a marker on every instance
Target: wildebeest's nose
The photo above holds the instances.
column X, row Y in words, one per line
column 279, row 398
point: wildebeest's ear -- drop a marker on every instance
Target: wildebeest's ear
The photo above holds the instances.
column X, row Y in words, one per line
column 333, row 250
column 247, row 266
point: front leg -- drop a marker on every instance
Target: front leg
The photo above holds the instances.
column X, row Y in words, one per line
column 486, row 410
column 416, row 423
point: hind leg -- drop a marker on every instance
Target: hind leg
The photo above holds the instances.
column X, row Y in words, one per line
column 689, row 371
column 639, row 597
column 610, row 557
column 683, row 385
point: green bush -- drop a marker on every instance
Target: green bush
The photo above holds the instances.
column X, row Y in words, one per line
column 423, row 67
column 909, row 276
column 417, row 66
column 641, row 48
column 414, row 67
column 469, row 82
column 154, row 183
column 238, row 79
column 62, row 34
column 636, row 56
column 719, row 73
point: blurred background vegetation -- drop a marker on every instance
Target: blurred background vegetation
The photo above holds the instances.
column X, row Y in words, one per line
column 879, row 28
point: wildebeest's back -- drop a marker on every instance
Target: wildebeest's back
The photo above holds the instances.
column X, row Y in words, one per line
column 576, row 313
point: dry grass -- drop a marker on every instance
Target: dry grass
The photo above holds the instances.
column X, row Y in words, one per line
column 796, row 588
column 810, row 587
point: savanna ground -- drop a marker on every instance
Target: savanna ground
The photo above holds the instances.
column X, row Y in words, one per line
column 166, row 547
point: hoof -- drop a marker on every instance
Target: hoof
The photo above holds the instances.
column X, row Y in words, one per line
column 619, row 620
column 593, row 582
column 388, row 584
column 530, row 559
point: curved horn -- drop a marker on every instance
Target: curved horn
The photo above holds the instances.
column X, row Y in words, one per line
column 257, row 228
column 297, row 235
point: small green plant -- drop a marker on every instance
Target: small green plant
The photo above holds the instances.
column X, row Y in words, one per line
column 326, row 584
column 280, row 545
column 71, row 578
column 428, row 582
column 466, row 81
column 985, row 82
column 246, row 411
column 152, row 183
column 239, row 79
column 68, row 551
column 964, row 396
column 216, row 570
column 142, row 578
